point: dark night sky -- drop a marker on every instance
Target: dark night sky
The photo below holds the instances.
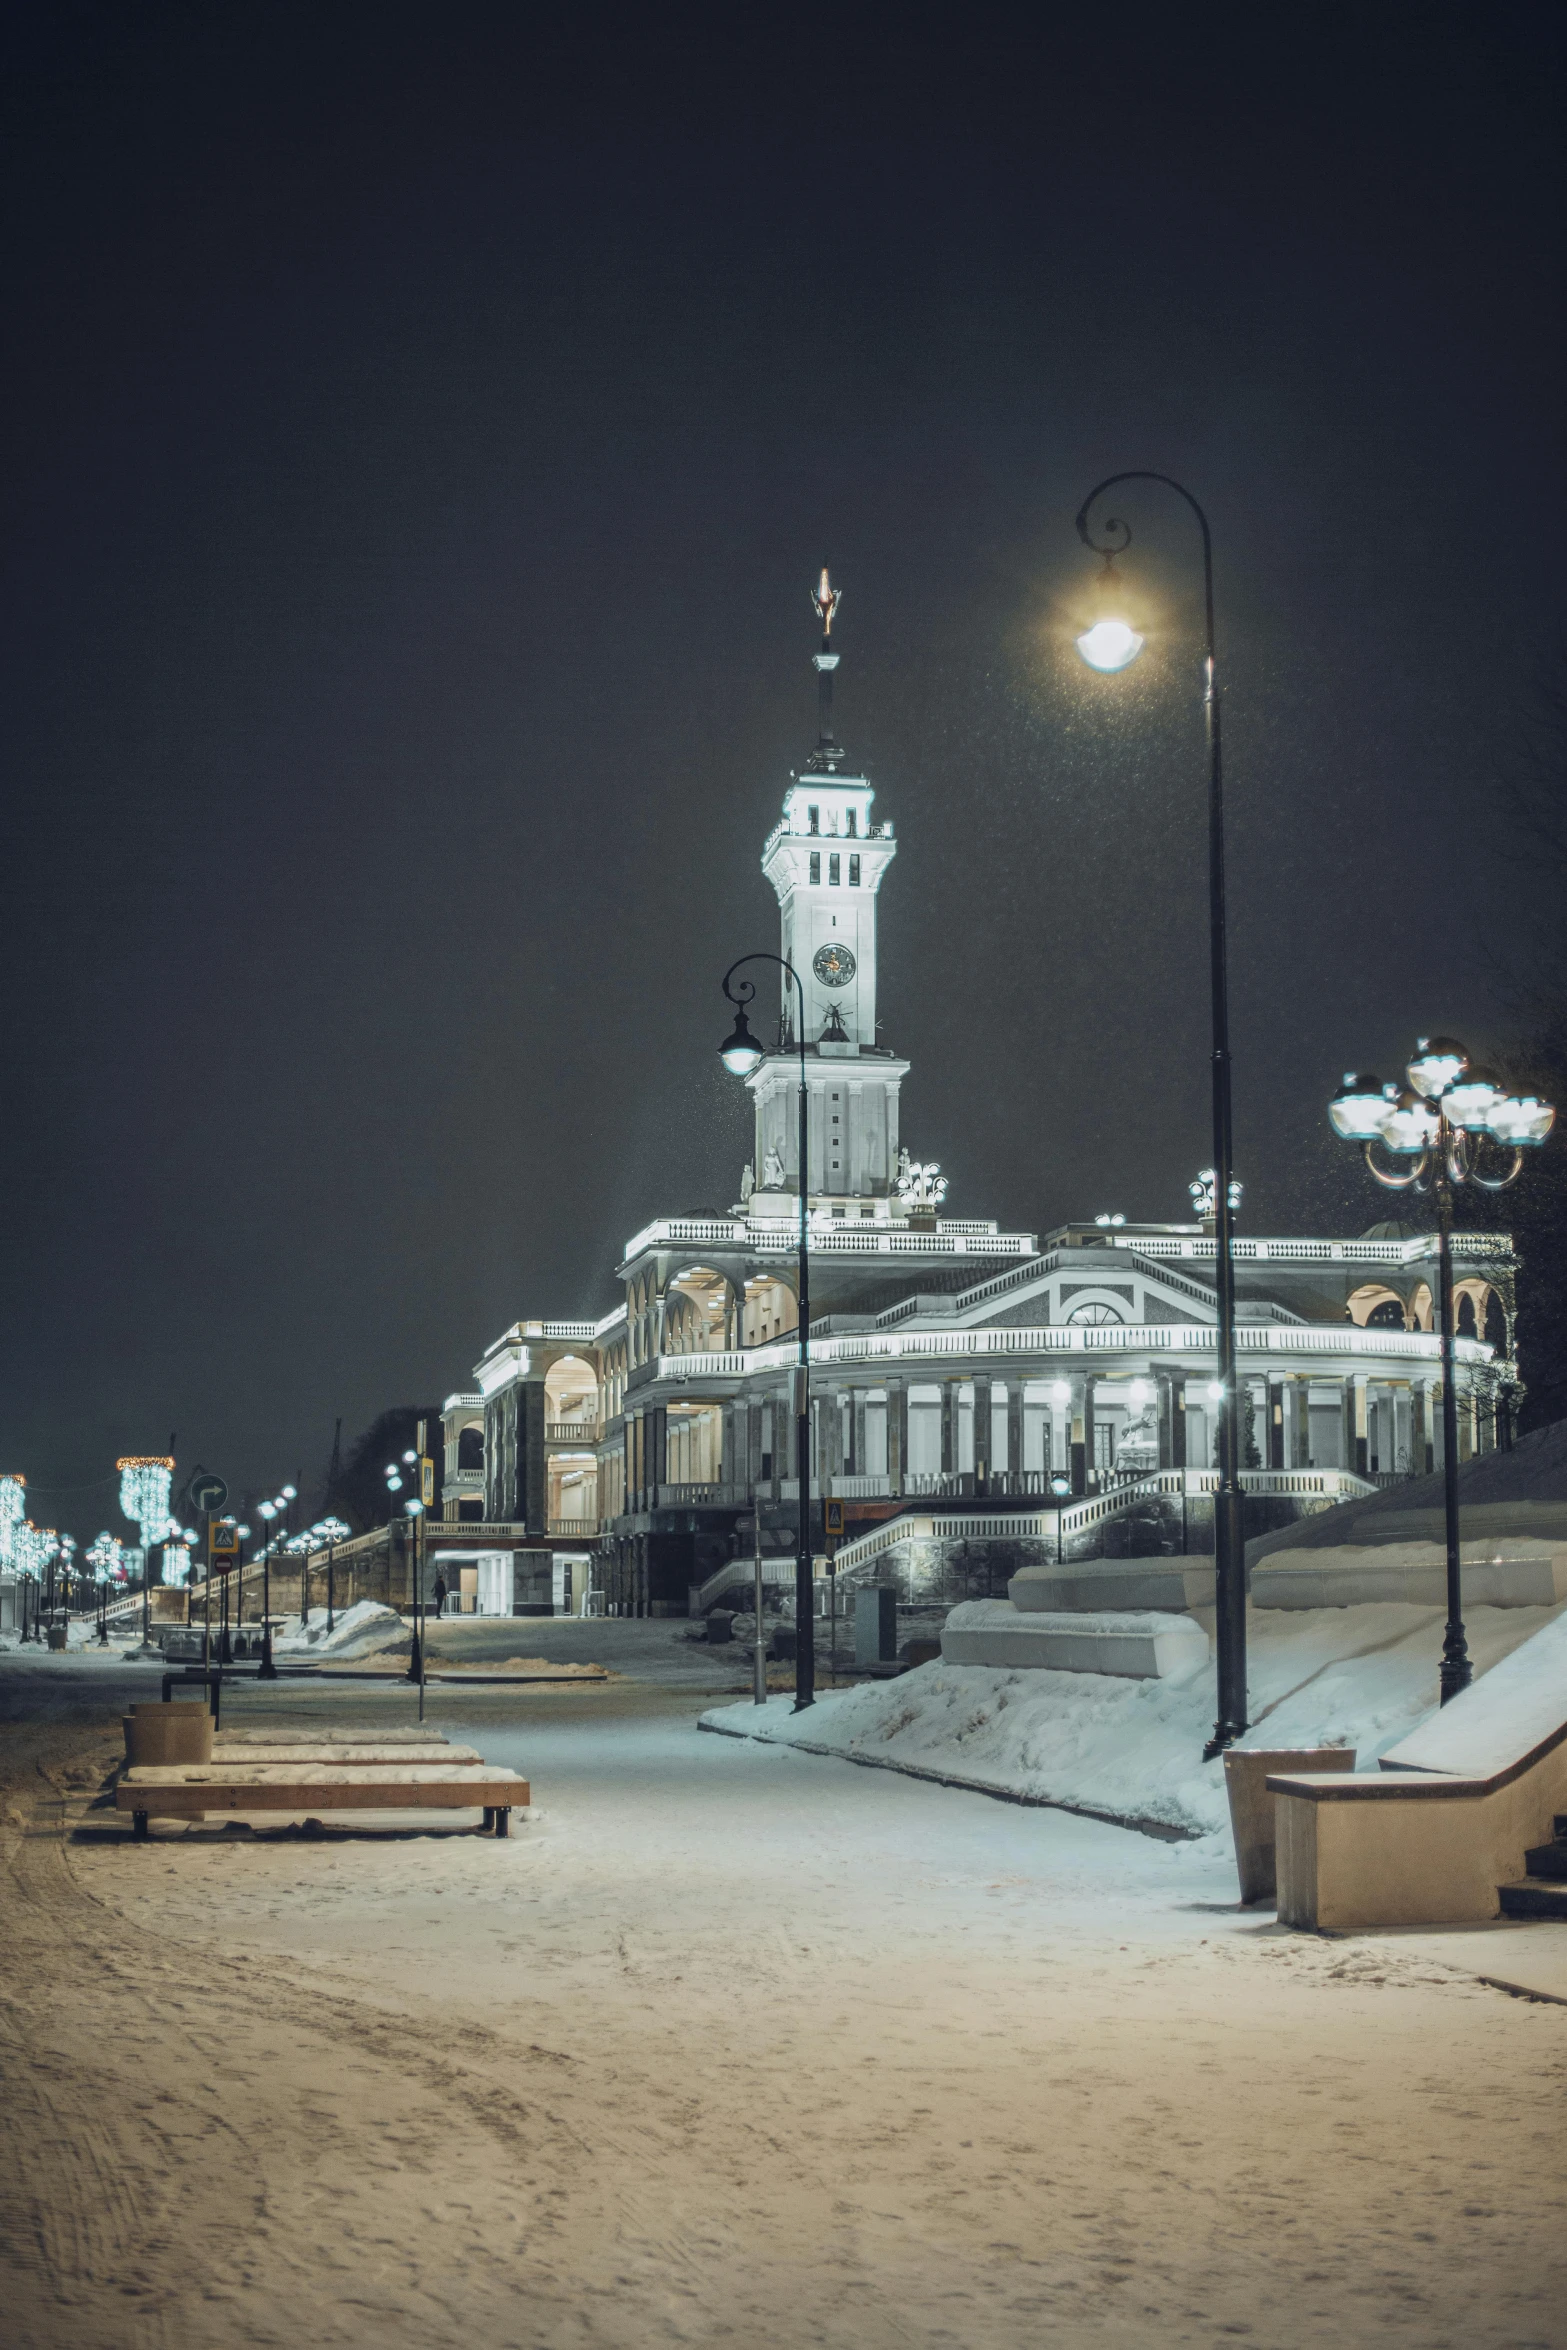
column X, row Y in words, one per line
column 423, row 427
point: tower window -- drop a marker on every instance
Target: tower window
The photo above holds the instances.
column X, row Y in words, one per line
column 813, row 820
column 851, row 824
column 832, row 871
column 854, row 872
column 816, row 868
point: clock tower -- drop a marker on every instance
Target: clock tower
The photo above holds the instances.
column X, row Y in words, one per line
column 826, row 858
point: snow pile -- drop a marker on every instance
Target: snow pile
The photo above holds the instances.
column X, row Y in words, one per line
column 358, row 1631
column 1131, row 1750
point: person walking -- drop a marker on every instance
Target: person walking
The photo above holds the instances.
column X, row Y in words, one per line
column 439, row 1593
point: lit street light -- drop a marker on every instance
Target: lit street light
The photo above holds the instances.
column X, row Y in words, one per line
column 741, row 1054
column 1111, row 644
column 1442, row 1125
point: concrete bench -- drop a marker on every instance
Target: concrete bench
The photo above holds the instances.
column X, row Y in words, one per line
column 1431, row 1838
column 304, row 1790
column 1139, row 1645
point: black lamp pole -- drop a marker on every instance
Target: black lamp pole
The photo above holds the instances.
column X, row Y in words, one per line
column 266, row 1670
column 1229, row 1541
column 804, row 1578
column 1442, row 1137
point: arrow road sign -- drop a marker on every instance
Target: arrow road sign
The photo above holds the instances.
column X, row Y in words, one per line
column 207, row 1493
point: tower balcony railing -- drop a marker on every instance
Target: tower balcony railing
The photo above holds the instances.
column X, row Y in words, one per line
column 573, row 1431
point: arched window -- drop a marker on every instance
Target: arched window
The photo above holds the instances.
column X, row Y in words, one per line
column 1466, row 1315
column 1389, row 1315
column 470, row 1448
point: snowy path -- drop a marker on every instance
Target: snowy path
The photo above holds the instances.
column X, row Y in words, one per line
column 734, row 2044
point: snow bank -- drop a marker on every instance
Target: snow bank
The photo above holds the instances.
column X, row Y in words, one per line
column 1130, row 1750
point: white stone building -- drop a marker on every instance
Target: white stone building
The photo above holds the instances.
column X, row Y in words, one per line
column 957, row 1370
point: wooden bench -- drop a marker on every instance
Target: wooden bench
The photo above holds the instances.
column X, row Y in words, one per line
column 333, row 1734
column 189, row 1791
column 359, row 1756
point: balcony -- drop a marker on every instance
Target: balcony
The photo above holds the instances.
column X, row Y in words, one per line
column 573, row 1431
column 573, row 1529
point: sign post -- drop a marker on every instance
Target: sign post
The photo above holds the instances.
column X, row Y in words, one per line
column 222, row 1556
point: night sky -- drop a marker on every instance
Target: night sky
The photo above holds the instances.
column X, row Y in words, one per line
column 423, row 429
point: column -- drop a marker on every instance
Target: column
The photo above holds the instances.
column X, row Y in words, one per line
column 1273, row 1449
column 1358, row 1456
column 981, row 1435
column 1081, row 1440
column 949, row 1427
column 1015, row 1436
column 897, row 1434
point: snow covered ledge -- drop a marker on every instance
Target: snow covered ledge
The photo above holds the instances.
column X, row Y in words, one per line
column 1132, row 1646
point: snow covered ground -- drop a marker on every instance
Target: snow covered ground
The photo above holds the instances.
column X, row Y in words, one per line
column 1130, row 1750
column 728, row 2046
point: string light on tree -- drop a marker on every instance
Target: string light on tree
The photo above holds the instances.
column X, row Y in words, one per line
column 145, row 1482
column 13, row 1509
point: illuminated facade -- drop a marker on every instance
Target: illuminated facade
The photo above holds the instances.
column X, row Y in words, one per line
column 956, row 1368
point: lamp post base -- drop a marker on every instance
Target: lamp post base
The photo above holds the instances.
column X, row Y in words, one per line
column 1457, row 1671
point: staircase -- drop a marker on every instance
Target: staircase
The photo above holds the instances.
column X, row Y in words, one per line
column 1543, row 1892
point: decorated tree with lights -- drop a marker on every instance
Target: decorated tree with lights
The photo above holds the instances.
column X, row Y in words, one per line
column 13, row 1511
column 145, row 1483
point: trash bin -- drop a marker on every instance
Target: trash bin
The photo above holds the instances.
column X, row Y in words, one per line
column 175, row 1733
column 1252, row 1808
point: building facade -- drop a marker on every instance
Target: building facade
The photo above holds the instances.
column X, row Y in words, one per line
column 973, row 1372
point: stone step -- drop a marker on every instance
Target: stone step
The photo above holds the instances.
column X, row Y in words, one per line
column 1547, row 1860
column 1533, row 1898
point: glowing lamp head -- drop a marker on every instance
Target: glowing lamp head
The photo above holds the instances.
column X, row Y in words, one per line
column 1470, row 1102
column 1060, row 1394
column 1109, row 645
column 1523, row 1122
column 1215, row 1391
column 1437, row 1066
column 266, row 1510
column 740, row 1052
column 291, row 1493
column 1409, row 1126
column 1060, row 1486
column 1138, row 1394
column 1358, row 1111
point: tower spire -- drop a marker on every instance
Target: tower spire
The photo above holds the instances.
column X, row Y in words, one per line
column 825, row 599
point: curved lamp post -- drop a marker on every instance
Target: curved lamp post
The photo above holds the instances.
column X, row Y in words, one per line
column 1110, row 645
column 1442, row 1125
column 741, row 1054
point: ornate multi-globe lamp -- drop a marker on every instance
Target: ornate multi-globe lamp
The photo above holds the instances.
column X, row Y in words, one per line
column 1451, row 1123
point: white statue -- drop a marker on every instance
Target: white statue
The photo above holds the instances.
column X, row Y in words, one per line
column 772, row 1172
column 747, row 1185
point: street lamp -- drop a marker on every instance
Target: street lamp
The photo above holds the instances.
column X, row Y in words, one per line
column 741, row 1055
column 1110, row 645
column 1441, row 1125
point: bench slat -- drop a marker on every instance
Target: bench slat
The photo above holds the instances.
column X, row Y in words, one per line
column 351, row 1757
column 309, row 1791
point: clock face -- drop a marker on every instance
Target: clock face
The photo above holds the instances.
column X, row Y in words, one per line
column 834, row 966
